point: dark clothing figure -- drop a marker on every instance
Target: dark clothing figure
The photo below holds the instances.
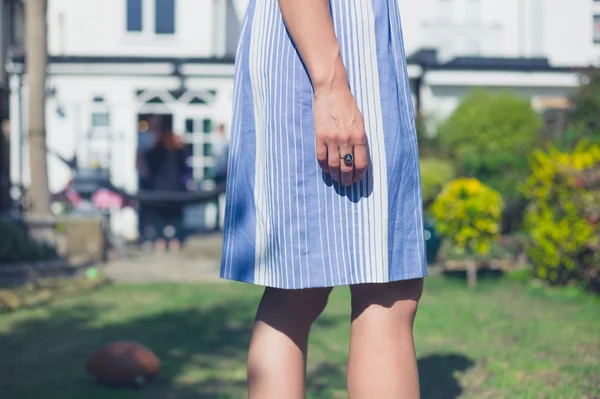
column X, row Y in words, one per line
column 143, row 185
column 168, row 172
column 168, row 169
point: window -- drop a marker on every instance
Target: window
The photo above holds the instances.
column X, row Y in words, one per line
column 100, row 119
column 597, row 29
column 207, row 126
column 134, row 15
column 164, row 16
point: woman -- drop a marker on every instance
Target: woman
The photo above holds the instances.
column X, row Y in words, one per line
column 167, row 171
column 324, row 190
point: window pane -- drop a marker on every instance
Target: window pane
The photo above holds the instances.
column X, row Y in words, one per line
column 100, row 119
column 208, row 173
column 597, row 29
column 189, row 126
column 207, row 150
column 134, row 15
column 165, row 16
column 207, row 126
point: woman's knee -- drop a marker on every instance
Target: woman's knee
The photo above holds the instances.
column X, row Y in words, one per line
column 404, row 295
column 307, row 303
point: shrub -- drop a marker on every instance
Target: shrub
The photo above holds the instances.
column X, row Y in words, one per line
column 490, row 135
column 17, row 246
column 468, row 213
column 562, row 217
column 435, row 174
column 584, row 118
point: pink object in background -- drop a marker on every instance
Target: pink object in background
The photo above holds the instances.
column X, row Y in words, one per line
column 73, row 197
column 105, row 199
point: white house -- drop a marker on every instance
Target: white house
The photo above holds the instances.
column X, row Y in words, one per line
column 564, row 31
column 112, row 62
column 532, row 47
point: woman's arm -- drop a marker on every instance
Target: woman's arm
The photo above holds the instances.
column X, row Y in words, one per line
column 339, row 126
column 310, row 25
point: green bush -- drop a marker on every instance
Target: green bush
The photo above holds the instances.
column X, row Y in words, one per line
column 468, row 213
column 584, row 118
column 562, row 219
column 490, row 135
column 435, row 174
column 17, row 246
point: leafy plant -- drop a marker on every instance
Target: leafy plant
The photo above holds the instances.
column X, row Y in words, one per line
column 584, row 118
column 561, row 219
column 468, row 213
column 490, row 135
column 435, row 174
column 17, row 246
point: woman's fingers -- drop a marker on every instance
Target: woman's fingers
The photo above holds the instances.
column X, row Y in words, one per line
column 333, row 160
column 346, row 169
column 361, row 161
column 322, row 155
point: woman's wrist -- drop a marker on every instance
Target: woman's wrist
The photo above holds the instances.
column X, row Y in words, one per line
column 329, row 76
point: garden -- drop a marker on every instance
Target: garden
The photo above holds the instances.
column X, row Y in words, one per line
column 508, row 195
column 510, row 308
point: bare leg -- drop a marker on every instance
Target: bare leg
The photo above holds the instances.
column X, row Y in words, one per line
column 174, row 245
column 277, row 356
column 160, row 245
column 382, row 362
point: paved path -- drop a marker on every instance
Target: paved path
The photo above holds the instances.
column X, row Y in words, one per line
column 198, row 261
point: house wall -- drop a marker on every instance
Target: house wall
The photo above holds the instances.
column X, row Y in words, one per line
column 99, row 27
column 558, row 29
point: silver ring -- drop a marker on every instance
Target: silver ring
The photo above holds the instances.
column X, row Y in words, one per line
column 348, row 159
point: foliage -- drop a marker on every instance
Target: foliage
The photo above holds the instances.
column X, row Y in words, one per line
column 490, row 135
column 435, row 174
column 584, row 118
column 468, row 212
column 427, row 137
column 17, row 246
column 562, row 219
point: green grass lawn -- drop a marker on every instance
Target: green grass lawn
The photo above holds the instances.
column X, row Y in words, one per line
column 501, row 340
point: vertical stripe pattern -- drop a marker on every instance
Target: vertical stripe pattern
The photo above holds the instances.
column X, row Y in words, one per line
column 287, row 224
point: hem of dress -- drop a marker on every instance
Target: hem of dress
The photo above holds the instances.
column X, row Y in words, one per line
column 252, row 282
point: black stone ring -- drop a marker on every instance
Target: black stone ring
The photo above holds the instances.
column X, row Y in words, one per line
column 348, row 159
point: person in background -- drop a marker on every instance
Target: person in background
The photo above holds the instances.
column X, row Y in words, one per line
column 168, row 171
column 146, row 140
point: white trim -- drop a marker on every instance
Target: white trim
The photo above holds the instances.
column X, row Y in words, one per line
column 501, row 79
column 132, row 68
column 225, row 70
column 110, row 69
column 414, row 71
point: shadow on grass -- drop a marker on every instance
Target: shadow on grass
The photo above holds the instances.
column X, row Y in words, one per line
column 52, row 350
column 202, row 352
column 437, row 375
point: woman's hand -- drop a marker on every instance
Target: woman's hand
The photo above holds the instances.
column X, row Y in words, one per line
column 340, row 130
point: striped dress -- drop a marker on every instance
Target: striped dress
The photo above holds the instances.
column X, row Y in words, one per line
column 287, row 224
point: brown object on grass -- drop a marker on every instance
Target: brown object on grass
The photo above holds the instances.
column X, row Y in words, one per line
column 123, row 363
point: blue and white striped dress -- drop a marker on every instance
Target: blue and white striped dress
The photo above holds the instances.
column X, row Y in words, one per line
column 287, row 225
